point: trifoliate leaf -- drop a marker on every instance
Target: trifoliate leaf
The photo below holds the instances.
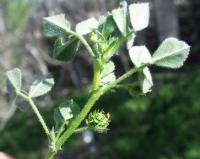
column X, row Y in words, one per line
column 14, row 80
column 87, row 26
column 41, row 86
column 172, row 53
column 65, row 112
column 140, row 55
column 65, row 51
column 139, row 15
column 107, row 74
column 120, row 16
column 55, row 25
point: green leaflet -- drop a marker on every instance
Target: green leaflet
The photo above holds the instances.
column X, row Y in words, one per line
column 87, row 26
column 55, row 25
column 111, row 49
column 14, row 80
column 140, row 55
column 107, row 74
column 139, row 15
column 120, row 16
column 172, row 53
column 104, row 35
column 107, row 26
column 65, row 112
column 114, row 45
column 65, row 51
column 41, row 86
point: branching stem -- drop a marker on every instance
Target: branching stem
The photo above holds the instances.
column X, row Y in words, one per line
column 84, row 42
column 97, row 92
column 36, row 111
column 90, row 103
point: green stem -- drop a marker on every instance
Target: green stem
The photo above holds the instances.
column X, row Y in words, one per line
column 36, row 111
column 90, row 103
column 41, row 120
column 79, row 130
column 97, row 66
column 77, row 121
column 51, row 154
column 60, row 130
column 125, row 76
column 84, row 42
column 97, row 72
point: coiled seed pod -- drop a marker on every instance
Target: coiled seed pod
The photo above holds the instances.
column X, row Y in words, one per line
column 98, row 121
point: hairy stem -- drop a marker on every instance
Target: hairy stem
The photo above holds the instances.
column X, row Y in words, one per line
column 51, row 154
column 125, row 76
column 60, row 130
column 90, row 103
column 77, row 121
column 36, row 111
column 79, row 130
column 84, row 42
column 96, row 78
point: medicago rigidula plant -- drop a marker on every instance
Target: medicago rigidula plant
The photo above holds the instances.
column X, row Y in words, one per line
column 102, row 38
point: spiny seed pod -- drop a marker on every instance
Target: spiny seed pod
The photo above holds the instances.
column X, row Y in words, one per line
column 98, row 121
column 93, row 37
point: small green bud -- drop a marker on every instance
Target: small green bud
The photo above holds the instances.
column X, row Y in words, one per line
column 93, row 37
column 98, row 121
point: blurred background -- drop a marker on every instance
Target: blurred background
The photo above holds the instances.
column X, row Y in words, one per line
column 161, row 125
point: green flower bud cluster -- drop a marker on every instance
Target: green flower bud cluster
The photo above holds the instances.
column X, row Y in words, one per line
column 93, row 38
column 98, row 121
